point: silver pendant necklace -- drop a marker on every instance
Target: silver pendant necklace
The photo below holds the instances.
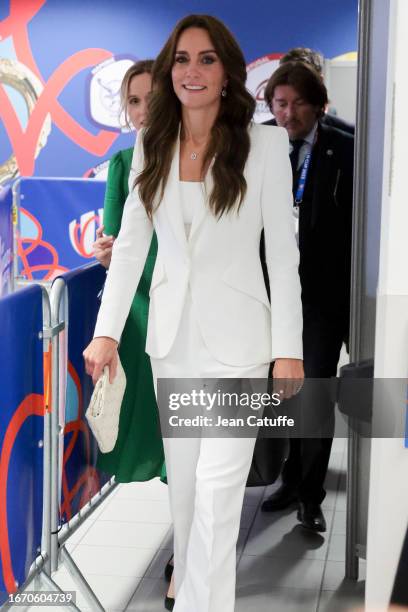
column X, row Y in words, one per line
column 193, row 155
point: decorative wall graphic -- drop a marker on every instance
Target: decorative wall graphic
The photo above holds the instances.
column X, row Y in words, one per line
column 104, row 93
column 82, row 233
column 38, row 259
column 259, row 73
column 21, row 435
column 81, row 480
column 6, row 240
column 69, row 57
column 25, row 141
column 58, row 219
column 98, row 172
column 24, row 82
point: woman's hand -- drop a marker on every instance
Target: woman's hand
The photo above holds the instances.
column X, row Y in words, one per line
column 102, row 247
column 99, row 353
column 288, row 375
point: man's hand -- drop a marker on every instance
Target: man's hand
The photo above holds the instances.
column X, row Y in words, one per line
column 288, row 375
column 102, row 247
column 99, row 353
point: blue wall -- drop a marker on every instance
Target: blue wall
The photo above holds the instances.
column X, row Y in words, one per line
column 139, row 28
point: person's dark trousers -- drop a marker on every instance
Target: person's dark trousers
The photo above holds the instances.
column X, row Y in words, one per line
column 306, row 467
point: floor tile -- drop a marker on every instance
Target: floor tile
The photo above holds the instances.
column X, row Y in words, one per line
column 253, row 495
column 140, row 511
column 247, row 516
column 167, row 541
column 242, row 538
column 337, row 548
column 332, row 479
column 158, row 563
column 343, row 480
column 341, row 501
column 257, row 573
column 66, row 583
column 339, row 445
column 335, row 499
column 339, row 523
column 149, row 596
column 336, row 460
column 123, row 548
column 114, row 592
column 295, row 544
column 339, row 601
column 272, row 488
column 282, row 521
column 138, row 535
column 113, row 560
column 75, row 538
column 280, row 599
column 334, row 577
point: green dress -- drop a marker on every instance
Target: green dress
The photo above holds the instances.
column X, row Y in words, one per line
column 138, row 453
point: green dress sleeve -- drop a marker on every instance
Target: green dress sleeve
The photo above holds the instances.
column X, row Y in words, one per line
column 116, row 191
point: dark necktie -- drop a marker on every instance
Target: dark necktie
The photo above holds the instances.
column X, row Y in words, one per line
column 294, row 156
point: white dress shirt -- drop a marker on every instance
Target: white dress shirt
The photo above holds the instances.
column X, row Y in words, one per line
column 306, row 146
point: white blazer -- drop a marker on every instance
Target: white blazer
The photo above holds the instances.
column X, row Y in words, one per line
column 220, row 263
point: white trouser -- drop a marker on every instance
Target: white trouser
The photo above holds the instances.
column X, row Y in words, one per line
column 206, row 478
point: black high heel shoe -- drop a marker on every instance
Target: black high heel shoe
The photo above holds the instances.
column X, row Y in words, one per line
column 169, row 603
column 168, row 570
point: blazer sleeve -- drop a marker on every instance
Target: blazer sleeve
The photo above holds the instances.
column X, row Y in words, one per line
column 281, row 251
column 116, row 190
column 129, row 254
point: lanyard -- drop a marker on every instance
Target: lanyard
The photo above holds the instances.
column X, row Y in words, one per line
column 302, row 180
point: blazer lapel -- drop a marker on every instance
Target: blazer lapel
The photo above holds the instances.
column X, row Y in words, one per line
column 172, row 199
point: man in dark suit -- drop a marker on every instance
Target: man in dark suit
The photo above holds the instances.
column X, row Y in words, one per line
column 323, row 212
column 315, row 60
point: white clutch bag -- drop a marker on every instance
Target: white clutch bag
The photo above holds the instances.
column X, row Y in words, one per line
column 104, row 408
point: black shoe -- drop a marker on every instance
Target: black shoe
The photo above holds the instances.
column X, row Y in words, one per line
column 282, row 498
column 169, row 603
column 168, row 570
column 311, row 516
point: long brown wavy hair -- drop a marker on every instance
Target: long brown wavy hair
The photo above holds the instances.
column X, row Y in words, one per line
column 229, row 141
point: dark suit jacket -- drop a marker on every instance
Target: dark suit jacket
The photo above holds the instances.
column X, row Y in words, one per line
column 325, row 226
column 328, row 119
column 337, row 122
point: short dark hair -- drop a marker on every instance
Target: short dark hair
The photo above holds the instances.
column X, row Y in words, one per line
column 301, row 77
column 306, row 55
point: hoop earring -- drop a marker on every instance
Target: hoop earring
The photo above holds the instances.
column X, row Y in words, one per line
column 224, row 92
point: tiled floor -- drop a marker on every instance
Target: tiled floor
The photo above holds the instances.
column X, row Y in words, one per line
column 123, row 547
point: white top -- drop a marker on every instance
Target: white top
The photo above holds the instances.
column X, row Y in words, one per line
column 192, row 197
column 306, row 147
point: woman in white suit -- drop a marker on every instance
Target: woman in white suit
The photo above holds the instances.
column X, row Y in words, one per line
column 208, row 182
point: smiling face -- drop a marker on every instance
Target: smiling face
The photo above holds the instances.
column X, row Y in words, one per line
column 139, row 88
column 198, row 75
column 293, row 112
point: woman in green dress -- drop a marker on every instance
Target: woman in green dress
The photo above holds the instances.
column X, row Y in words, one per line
column 138, row 454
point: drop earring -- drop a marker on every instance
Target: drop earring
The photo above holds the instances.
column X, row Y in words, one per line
column 223, row 92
